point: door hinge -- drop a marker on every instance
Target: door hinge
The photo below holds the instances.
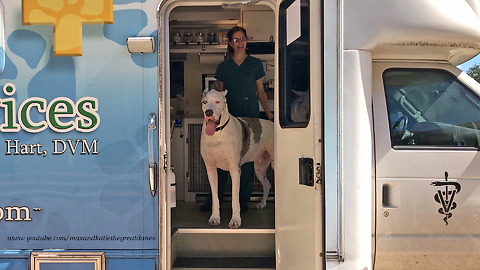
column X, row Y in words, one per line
column 318, row 174
column 165, row 161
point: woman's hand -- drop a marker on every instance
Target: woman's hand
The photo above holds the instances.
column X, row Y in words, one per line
column 262, row 96
column 269, row 115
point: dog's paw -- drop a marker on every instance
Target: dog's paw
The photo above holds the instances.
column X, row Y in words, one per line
column 260, row 206
column 235, row 223
column 214, row 220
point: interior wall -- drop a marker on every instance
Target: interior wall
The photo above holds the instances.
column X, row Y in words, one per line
column 190, row 104
column 193, row 87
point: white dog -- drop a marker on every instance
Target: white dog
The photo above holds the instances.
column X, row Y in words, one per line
column 227, row 143
column 300, row 106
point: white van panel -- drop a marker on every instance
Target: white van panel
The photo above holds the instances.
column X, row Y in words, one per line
column 357, row 159
column 411, row 231
column 449, row 29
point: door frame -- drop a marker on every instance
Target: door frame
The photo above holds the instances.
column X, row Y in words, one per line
column 163, row 14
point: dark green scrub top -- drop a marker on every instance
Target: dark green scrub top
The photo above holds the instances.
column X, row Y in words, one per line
column 240, row 82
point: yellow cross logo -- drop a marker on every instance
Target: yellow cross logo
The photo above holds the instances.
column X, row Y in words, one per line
column 67, row 17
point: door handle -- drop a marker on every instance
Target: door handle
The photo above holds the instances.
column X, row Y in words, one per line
column 390, row 195
column 305, row 171
column 152, row 166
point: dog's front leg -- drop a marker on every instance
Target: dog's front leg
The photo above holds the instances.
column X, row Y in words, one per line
column 236, row 221
column 213, row 179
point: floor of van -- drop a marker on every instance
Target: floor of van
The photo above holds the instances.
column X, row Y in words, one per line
column 188, row 215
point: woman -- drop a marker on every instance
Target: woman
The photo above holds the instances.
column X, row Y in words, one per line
column 242, row 75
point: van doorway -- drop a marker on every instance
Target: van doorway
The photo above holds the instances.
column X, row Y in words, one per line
column 197, row 43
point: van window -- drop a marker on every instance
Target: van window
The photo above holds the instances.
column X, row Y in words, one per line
column 294, row 58
column 429, row 107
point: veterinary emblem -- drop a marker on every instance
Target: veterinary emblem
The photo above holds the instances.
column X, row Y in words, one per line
column 446, row 196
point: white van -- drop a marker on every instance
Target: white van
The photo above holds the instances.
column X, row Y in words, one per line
column 376, row 135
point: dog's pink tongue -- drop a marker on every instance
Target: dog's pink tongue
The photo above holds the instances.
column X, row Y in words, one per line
column 210, row 129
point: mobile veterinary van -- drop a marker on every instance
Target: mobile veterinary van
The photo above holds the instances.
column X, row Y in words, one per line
column 376, row 134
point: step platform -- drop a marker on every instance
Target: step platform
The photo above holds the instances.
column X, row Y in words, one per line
column 223, row 249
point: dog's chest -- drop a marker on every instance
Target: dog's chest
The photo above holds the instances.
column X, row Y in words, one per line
column 220, row 158
column 220, row 152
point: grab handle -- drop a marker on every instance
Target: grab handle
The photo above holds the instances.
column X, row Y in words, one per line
column 152, row 166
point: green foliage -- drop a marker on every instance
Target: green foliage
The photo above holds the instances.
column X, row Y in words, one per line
column 474, row 72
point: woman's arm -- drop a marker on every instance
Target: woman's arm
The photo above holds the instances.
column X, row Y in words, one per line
column 262, row 96
column 220, row 86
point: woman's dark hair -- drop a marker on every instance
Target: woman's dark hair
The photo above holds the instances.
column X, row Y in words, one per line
column 230, row 37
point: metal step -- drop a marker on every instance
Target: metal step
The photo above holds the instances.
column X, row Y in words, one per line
column 230, row 263
column 223, row 249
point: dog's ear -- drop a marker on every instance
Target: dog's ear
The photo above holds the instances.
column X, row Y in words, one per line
column 205, row 91
column 298, row 93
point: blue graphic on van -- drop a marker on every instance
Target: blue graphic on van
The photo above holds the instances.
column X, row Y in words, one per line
column 116, row 157
column 122, row 28
column 90, row 189
column 130, row 190
column 10, row 72
column 28, row 45
column 59, row 73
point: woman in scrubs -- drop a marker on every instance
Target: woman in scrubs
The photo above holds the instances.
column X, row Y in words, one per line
column 242, row 75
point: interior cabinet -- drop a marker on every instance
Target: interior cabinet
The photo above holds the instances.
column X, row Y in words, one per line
column 260, row 24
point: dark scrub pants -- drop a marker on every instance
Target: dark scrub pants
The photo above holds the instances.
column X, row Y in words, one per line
column 246, row 185
column 242, row 101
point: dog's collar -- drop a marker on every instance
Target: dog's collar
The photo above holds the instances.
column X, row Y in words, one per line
column 223, row 126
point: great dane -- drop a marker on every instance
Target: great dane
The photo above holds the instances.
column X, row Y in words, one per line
column 227, row 142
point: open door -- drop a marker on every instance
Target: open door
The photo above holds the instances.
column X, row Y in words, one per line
column 299, row 189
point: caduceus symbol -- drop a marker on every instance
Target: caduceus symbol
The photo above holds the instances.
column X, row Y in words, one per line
column 446, row 197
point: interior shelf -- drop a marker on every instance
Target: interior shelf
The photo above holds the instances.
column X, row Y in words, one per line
column 193, row 48
column 214, row 24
